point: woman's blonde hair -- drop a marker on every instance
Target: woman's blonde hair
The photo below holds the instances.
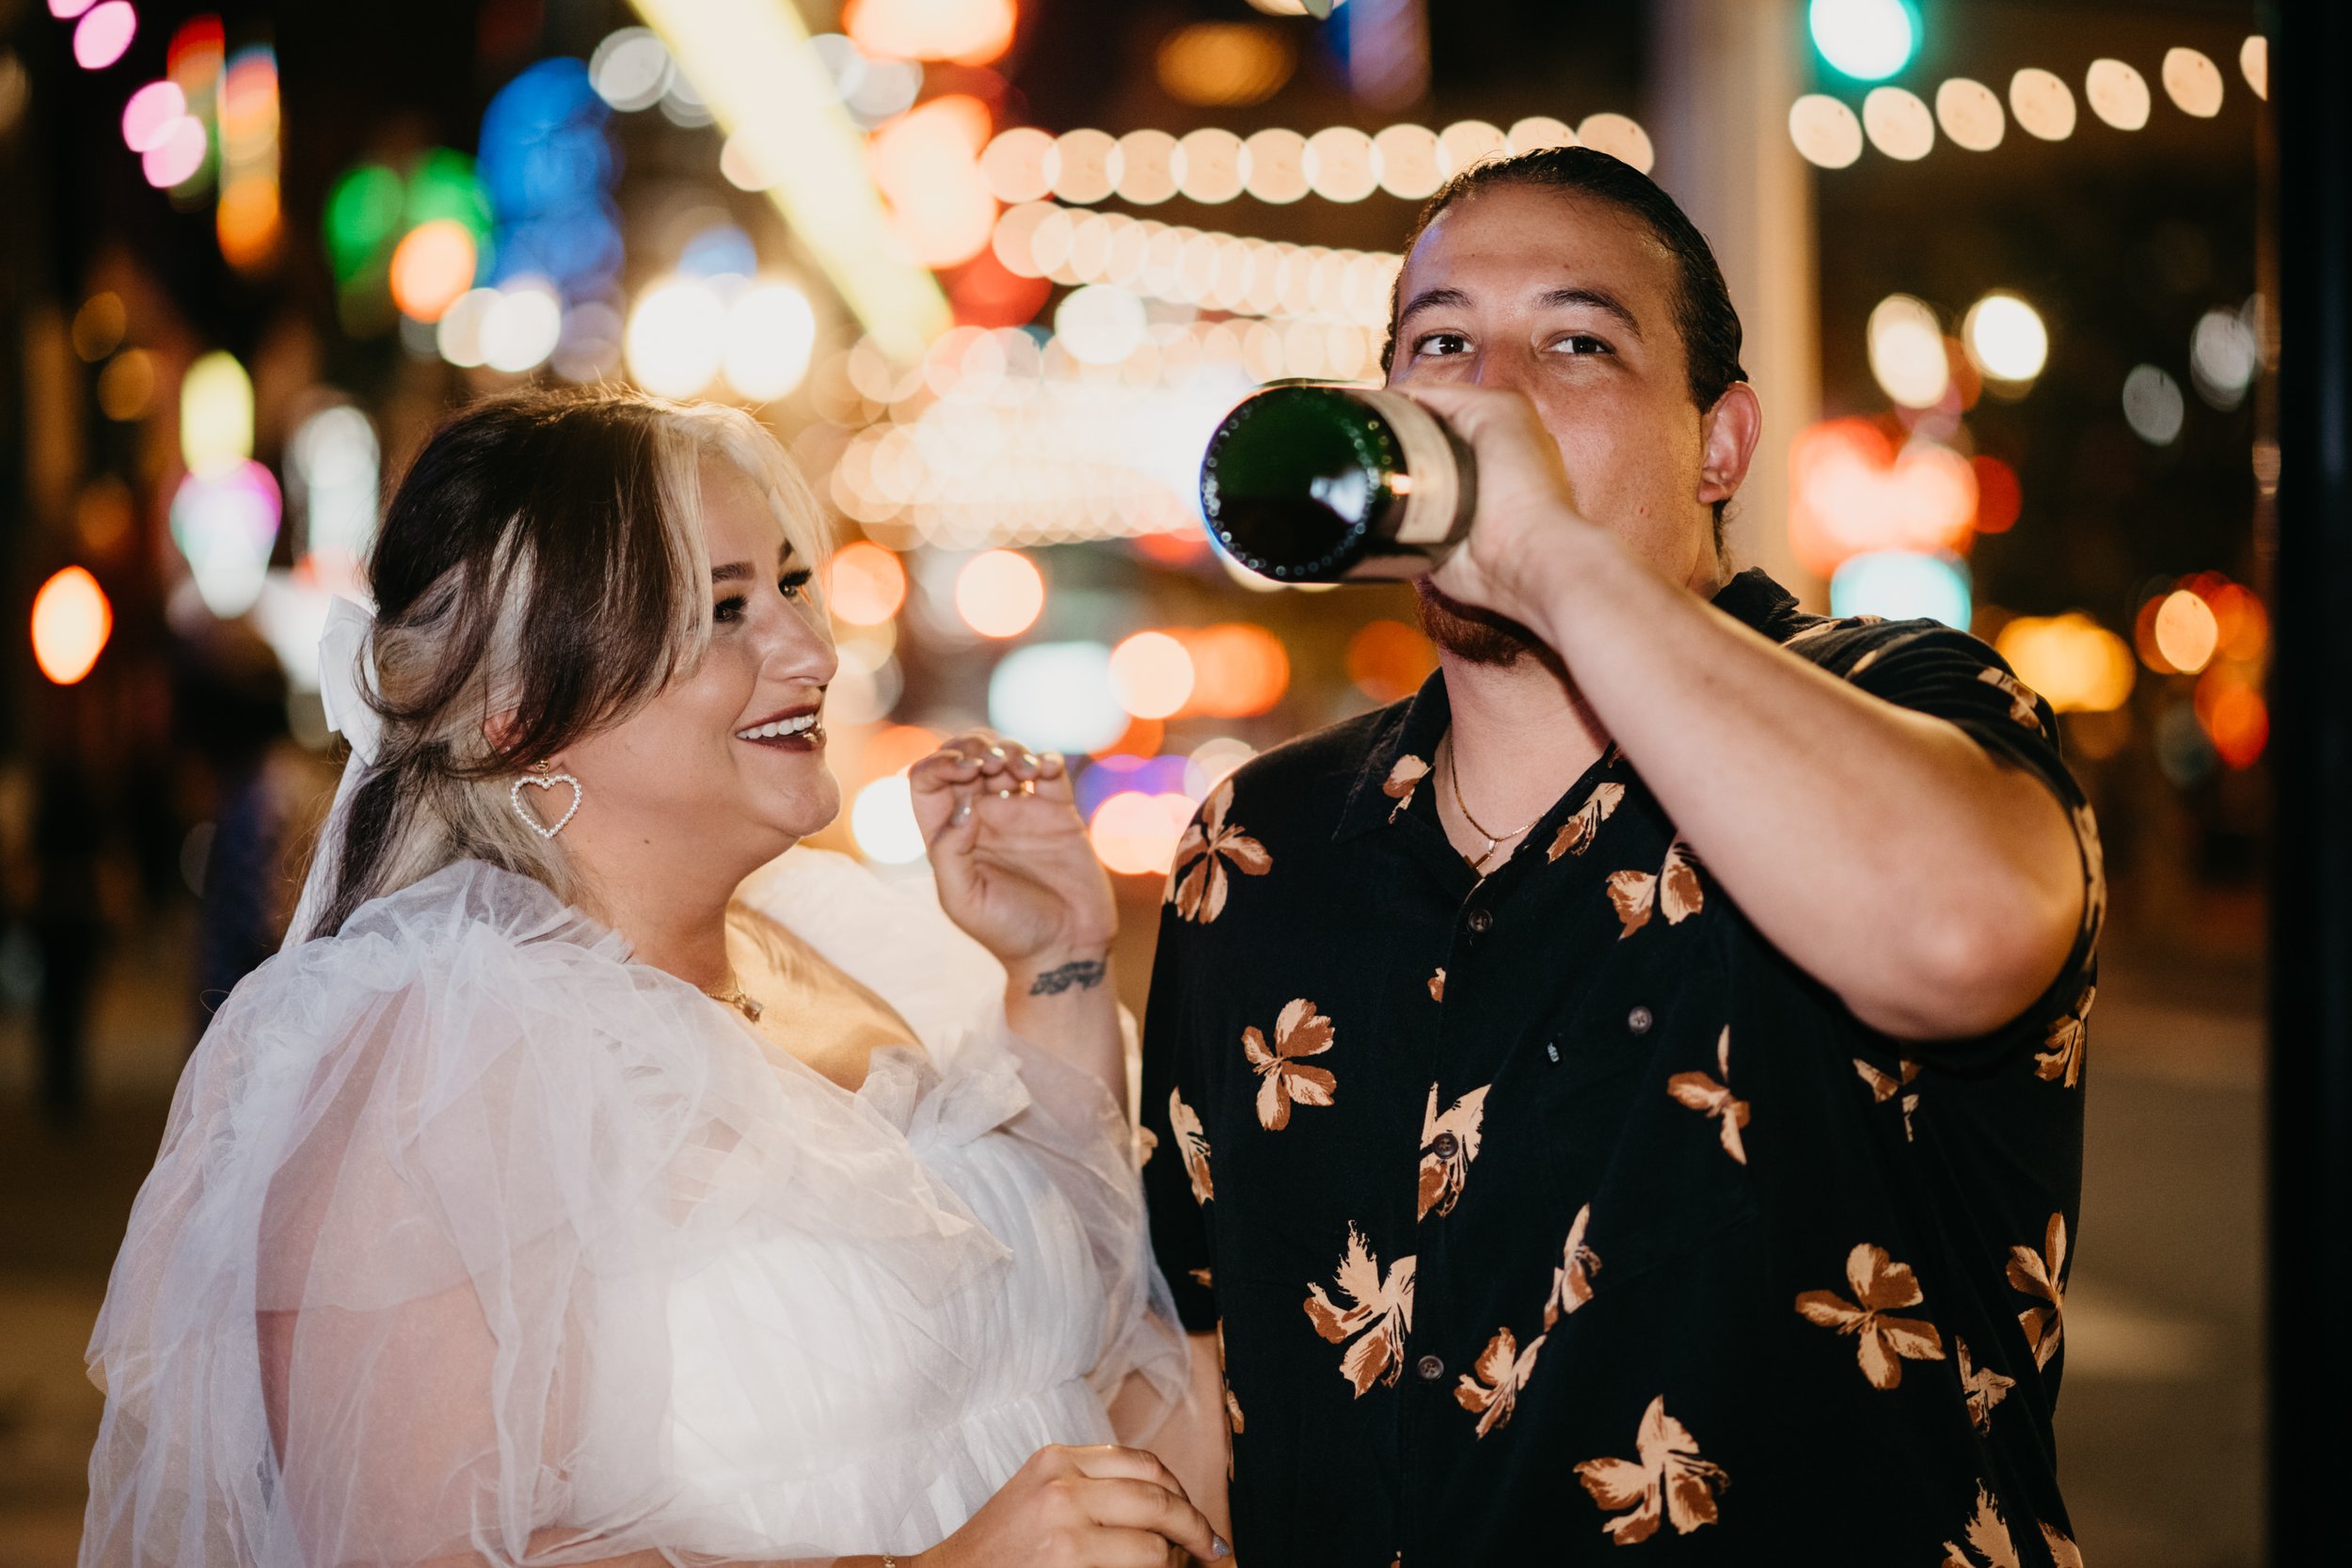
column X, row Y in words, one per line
column 541, row 573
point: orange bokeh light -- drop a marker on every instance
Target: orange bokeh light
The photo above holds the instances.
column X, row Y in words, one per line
column 1239, row 670
column 71, row 620
column 1153, row 673
column 927, row 163
column 249, row 223
column 1853, row 491
column 1000, row 593
column 1135, row 834
column 432, row 264
column 896, row 748
column 968, row 32
column 1388, row 661
column 2000, row 497
column 2185, row 630
column 866, row 584
column 2235, row 717
column 1142, row 739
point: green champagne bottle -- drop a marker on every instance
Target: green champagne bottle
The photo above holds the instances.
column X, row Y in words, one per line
column 1316, row 483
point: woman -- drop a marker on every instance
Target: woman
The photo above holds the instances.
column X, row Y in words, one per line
column 560, row 1195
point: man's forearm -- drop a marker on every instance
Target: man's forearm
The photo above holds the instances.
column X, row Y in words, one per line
column 1933, row 889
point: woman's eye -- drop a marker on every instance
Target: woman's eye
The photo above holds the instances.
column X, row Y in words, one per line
column 1582, row 342
column 728, row 610
column 1441, row 343
column 794, row 585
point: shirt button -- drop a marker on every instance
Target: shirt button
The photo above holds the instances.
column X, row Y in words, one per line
column 1430, row 1368
column 1445, row 1146
column 1639, row 1021
column 1481, row 922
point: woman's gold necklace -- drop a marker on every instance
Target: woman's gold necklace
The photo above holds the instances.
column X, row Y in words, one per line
column 733, row 994
column 1494, row 841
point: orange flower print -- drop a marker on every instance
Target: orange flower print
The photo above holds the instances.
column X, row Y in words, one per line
column 1205, row 1278
column 1401, row 780
column 1572, row 1281
column 1669, row 1480
column 1147, row 1145
column 1575, row 833
column 1674, row 889
column 2061, row 1059
column 1379, row 1308
column 1822, row 628
column 1702, row 1093
column 1197, row 883
column 1232, row 1406
column 1880, row 1285
column 1448, row 1145
column 1490, row 1388
column 1883, row 1089
column 1300, row 1031
column 1985, row 1386
column 1192, row 1142
column 1436, row 986
column 1989, row 1544
column 2041, row 1275
column 2094, row 869
column 1987, row 1534
column 2020, row 701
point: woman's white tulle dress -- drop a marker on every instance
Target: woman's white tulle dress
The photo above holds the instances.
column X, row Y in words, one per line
column 563, row 1262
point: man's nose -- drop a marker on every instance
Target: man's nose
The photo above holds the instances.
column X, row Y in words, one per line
column 1499, row 369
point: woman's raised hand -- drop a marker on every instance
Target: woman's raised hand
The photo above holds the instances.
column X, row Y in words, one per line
column 1081, row 1507
column 1014, row 866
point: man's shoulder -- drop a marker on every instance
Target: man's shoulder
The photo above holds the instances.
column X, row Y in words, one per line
column 1320, row 768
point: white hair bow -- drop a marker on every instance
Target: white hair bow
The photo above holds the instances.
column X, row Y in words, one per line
column 347, row 677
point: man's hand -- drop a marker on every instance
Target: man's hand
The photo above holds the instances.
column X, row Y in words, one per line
column 1527, row 516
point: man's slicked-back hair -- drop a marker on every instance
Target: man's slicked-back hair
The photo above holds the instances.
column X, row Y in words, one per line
column 1703, row 310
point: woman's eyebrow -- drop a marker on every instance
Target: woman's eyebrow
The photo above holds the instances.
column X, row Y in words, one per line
column 736, row 571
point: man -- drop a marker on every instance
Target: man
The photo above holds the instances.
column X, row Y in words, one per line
column 1628, row 1095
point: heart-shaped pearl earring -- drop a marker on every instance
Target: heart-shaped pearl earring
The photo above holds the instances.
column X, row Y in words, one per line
column 539, row 778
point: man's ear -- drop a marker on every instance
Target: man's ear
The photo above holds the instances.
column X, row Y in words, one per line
column 1727, row 435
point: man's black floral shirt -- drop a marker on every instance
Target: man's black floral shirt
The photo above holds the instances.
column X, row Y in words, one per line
column 1556, row 1216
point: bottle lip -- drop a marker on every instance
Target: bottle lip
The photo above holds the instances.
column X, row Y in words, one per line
column 1376, row 444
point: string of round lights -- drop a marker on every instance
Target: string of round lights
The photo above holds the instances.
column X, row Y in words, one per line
column 1901, row 126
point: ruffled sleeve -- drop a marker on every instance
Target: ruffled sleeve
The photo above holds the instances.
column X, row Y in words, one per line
column 401, row 1286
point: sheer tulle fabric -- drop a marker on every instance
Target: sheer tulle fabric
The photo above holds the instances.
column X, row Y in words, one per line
column 551, row 1261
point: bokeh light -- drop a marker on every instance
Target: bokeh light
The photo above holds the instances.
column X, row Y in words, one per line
column 175, row 153
column 1239, row 670
column 1099, row 324
column 151, row 109
column 1907, row 357
column 126, row 387
column 866, row 585
column 1001, row 594
column 630, row 69
column 2253, row 62
column 1215, row 165
column 225, row 526
column 1619, row 135
column 1388, row 661
column 2193, row 82
column 521, row 326
column 1898, row 123
column 2118, row 94
column 71, row 620
column 1868, row 39
column 2077, row 665
column 1276, row 159
column 1211, row 761
column 1406, row 156
column 770, row 333
column 2153, row 405
column 881, row 822
column 677, row 337
column 104, row 33
column 2042, row 103
column 968, row 32
column 1970, row 113
column 2223, row 358
column 1153, row 673
column 1056, row 695
column 1901, row 585
column 1225, row 64
column 2006, row 339
column 1825, row 131
column 99, row 325
column 432, row 264
column 215, row 415
column 2231, row 710
column 1135, row 834
column 2186, row 632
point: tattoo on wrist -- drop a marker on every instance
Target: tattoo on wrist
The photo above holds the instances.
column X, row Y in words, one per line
column 1082, row 975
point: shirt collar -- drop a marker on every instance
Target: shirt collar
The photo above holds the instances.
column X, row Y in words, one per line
column 1403, row 746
